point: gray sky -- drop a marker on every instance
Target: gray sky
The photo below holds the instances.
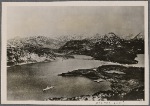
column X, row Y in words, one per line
column 87, row 20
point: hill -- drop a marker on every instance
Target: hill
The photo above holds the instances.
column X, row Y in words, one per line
column 31, row 49
column 40, row 41
column 109, row 47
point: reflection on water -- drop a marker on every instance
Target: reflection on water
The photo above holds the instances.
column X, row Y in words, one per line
column 26, row 82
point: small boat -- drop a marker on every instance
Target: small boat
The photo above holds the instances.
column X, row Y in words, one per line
column 47, row 88
column 99, row 80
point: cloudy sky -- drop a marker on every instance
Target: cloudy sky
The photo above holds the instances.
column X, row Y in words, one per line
column 61, row 21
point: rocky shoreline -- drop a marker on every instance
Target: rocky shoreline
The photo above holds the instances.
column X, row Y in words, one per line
column 17, row 56
column 135, row 94
column 127, row 83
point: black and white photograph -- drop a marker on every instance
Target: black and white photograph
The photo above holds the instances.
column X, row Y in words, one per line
column 75, row 53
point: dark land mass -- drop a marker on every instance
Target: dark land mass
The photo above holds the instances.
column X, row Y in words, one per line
column 127, row 83
column 135, row 94
column 108, row 48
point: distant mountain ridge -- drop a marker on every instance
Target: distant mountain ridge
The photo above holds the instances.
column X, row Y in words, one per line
column 108, row 47
column 41, row 41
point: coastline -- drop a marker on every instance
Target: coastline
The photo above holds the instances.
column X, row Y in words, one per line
column 19, row 64
column 104, row 96
column 126, row 84
column 40, row 60
column 98, row 74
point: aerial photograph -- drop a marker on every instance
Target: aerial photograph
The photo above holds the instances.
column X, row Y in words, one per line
column 75, row 53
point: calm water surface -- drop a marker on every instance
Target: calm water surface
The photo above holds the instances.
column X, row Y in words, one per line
column 26, row 82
